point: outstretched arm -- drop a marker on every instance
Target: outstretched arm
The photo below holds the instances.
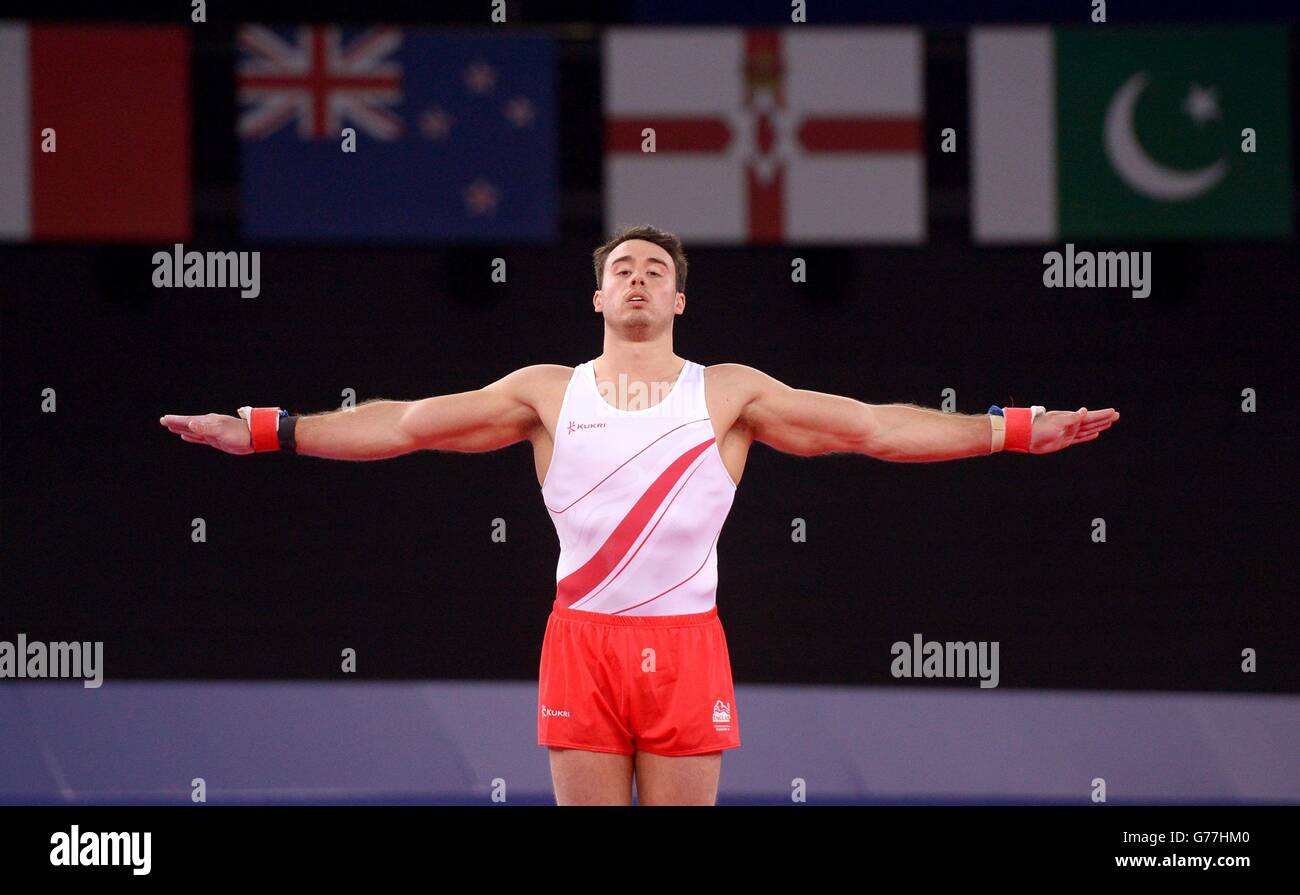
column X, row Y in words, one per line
column 485, row 419
column 807, row 423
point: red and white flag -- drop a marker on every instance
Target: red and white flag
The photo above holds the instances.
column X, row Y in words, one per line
column 794, row 135
column 116, row 103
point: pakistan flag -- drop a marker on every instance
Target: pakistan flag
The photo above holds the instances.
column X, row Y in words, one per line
column 1114, row 132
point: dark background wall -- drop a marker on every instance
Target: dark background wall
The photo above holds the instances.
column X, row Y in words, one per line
column 305, row 557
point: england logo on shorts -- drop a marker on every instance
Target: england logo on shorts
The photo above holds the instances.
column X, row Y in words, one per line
column 721, row 716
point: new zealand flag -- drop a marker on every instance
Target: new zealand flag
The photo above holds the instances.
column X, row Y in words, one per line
column 455, row 136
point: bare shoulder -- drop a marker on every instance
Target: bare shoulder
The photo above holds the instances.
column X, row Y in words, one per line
column 734, row 389
column 538, row 386
column 533, row 378
column 737, row 381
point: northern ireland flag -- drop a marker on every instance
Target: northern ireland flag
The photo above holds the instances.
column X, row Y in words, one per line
column 1099, row 132
column 94, row 133
column 794, row 135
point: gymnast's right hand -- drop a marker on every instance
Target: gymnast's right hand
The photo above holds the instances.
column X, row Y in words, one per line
column 225, row 433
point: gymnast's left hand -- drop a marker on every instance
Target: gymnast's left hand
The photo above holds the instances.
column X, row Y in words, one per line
column 1059, row 429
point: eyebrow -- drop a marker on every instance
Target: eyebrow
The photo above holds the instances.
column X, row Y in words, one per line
column 630, row 258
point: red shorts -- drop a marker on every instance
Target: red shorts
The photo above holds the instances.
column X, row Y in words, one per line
column 636, row 683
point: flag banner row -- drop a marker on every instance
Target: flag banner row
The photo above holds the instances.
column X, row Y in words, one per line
column 954, row 12
column 724, row 135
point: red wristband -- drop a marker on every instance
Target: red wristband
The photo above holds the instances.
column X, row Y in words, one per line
column 263, row 424
column 1020, row 421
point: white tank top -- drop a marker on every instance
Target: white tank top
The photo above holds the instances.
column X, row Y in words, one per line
column 638, row 498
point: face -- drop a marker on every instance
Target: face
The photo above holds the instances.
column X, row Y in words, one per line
column 639, row 286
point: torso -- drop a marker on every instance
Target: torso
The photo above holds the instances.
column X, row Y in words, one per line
column 723, row 401
column 635, row 481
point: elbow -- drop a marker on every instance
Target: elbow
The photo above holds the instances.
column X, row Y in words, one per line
column 865, row 434
column 402, row 436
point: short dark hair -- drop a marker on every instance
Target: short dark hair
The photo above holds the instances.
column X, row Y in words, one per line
column 662, row 238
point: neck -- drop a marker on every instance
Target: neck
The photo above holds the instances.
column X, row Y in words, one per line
column 649, row 359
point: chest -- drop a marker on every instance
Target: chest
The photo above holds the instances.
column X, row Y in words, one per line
column 590, row 425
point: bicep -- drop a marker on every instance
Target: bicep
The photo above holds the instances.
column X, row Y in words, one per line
column 486, row 419
column 803, row 422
